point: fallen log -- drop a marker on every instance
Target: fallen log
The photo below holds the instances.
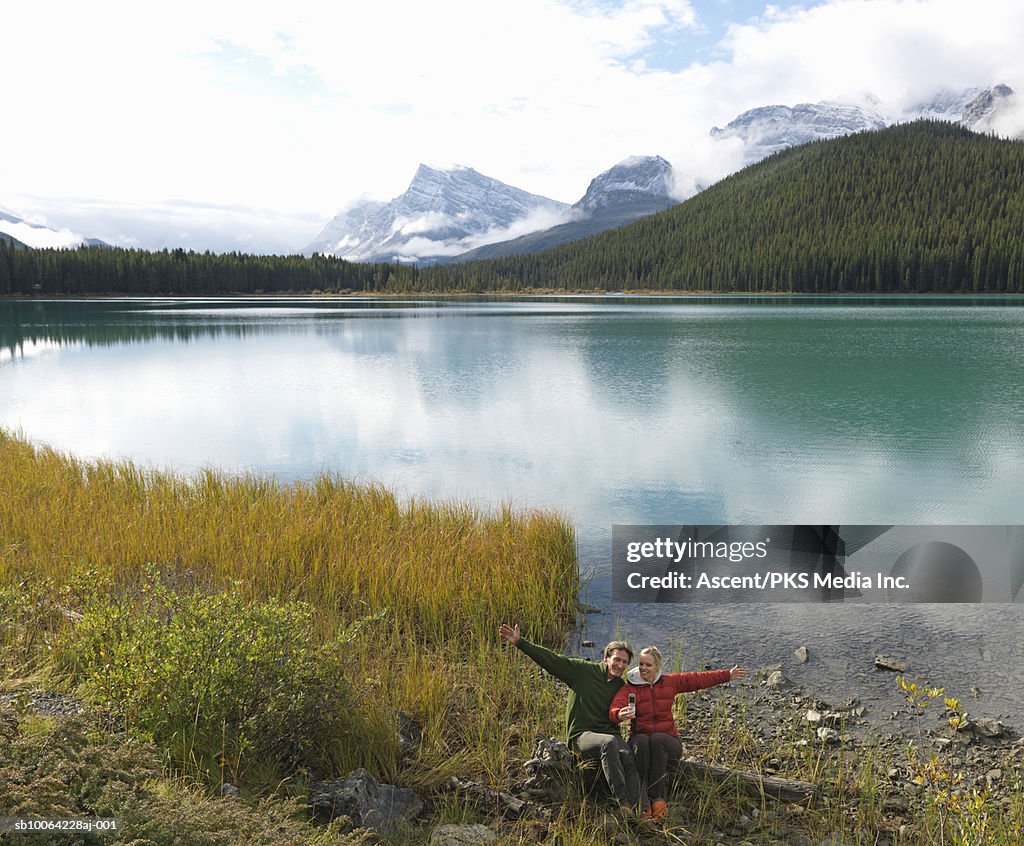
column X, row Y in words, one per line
column 507, row 804
column 787, row 789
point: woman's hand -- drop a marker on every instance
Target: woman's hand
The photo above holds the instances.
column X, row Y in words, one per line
column 737, row 673
column 627, row 713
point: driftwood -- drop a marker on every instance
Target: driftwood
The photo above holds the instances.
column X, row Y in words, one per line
column 506, row 803
column 787, row 789
column 552, row 762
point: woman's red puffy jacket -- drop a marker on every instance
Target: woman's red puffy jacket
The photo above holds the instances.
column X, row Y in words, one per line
column 654, row 701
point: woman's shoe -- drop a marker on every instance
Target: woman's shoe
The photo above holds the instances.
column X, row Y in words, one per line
column 659, row 809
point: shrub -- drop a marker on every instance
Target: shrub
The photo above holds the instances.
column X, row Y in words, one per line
column 220, row 681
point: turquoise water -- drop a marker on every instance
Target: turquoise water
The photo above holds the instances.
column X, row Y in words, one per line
column 613, row 410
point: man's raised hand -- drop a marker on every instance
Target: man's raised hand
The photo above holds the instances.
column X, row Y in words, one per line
column 509, row 633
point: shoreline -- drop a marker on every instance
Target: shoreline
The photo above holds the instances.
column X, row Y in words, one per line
column 526, row 292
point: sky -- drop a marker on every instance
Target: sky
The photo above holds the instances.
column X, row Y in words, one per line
column 222, row 125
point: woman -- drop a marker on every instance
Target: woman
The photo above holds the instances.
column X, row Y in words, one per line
column 653, row 733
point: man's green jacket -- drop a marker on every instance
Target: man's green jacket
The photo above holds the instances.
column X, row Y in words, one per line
column 590, row 689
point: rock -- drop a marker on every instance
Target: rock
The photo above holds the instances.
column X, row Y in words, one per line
column 993, row 775
column 548, row 770
column 777, row 681
column 410, row 735
column 896, row 805
column 801, row 654
column 883, row 662
column 229, row 791
column 836, row 838
column 550, row 755
column 589, row 609
column 587, row 644
column 813, row 717
column 828, row 735
column 462, row 835
column 363, row 799
column 986, row 727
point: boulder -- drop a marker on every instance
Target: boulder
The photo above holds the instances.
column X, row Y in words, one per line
column 364, row 800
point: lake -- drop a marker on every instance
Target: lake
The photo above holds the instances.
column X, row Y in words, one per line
column 675, row 410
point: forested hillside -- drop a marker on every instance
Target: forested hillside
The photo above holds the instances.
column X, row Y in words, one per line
column 926, row 206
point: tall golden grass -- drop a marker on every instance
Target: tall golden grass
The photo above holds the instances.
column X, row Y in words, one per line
column 445, row 574
column 442, row 570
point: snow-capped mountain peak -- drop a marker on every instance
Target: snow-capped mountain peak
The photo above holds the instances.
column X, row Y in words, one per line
column 768, row 129
column 989, row 109
column 946, row 105
column 443, row 212
column 633, row 178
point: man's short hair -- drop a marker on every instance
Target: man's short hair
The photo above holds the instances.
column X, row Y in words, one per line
column 616, row 645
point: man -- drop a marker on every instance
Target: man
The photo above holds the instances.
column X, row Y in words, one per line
column 592, row 685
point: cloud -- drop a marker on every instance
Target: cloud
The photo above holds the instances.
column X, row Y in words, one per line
column 898, row 50
column 304, row 109
column 40, row 237
column 419, row 245
column 193, row 98
column 186, row 224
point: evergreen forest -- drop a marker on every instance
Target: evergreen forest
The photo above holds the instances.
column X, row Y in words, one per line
column 919, row 207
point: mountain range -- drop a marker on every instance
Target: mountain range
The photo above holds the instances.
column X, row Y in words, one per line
column 634, row 188
column 769, row 129
column 459, row 214
column 926, row 206
column 401, row 230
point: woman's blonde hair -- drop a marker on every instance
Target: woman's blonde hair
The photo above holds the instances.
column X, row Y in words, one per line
column 655, row 654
